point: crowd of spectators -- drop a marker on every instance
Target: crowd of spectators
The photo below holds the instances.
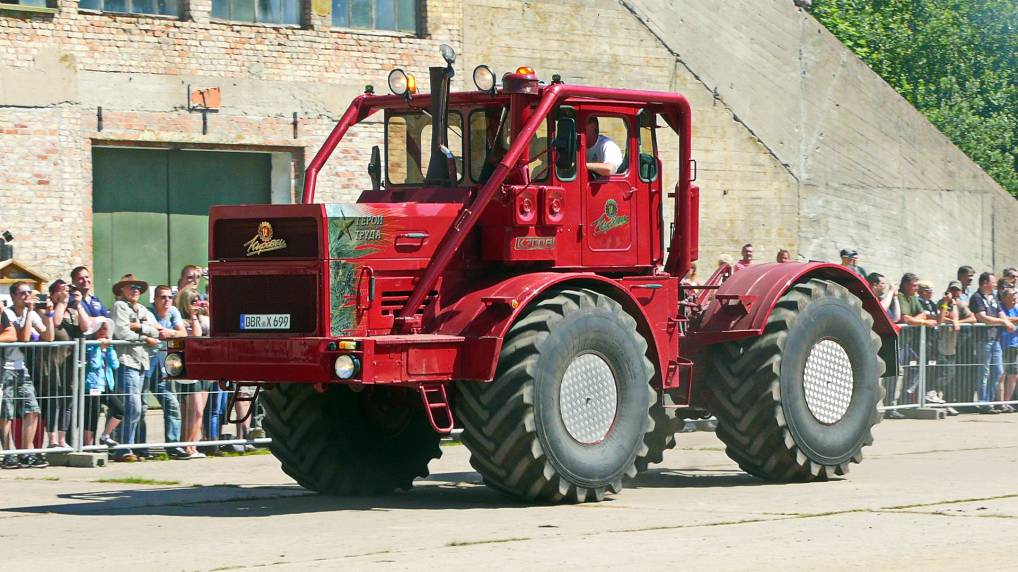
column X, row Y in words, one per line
column 37, row 381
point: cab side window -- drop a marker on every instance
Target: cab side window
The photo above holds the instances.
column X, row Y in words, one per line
column 608, row 142
column 565, row 166
column 648, row 147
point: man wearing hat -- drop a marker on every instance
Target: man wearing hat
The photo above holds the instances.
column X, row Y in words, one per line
column 850, row 260
column 132, row 322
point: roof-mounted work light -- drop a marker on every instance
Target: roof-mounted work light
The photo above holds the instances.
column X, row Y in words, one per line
column 484, row 79
column 448, row 54
column 402, row 83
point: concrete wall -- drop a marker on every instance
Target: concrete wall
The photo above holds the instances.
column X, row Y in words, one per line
column 871, row 172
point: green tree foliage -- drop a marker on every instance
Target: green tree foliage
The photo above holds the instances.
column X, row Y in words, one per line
column 956, row 61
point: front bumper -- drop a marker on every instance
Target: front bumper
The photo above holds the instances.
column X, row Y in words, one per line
column 413, row 359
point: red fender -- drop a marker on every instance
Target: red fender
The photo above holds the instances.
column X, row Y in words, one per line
column 745, row 301
column 485, row 314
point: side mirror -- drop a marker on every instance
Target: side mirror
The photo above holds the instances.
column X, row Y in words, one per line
column 565, row 143
column 450, row 161
column 648, row 167
column 375, row 168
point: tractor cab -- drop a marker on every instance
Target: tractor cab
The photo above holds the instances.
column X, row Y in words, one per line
column 552, row 210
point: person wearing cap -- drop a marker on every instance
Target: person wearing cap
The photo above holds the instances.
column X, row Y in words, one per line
column 850, row 260
column 132, row 322
column 953, row 313
column 934, row 313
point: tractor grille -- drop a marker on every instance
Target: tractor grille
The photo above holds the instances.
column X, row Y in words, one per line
column 394, row 300
column 293, row 294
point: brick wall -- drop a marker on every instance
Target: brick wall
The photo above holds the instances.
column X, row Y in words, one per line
column 56, row 70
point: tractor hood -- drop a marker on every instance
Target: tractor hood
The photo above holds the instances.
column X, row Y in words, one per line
column 334, row 269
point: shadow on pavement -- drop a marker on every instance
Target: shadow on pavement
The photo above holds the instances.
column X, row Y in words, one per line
column 452, row 491
column 695, row 478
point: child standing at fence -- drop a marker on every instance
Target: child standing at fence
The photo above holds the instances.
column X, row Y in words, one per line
column 100, row 374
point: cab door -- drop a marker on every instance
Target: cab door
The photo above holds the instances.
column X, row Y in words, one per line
column 610, row 215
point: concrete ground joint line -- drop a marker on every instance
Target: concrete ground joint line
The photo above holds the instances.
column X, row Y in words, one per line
column 922, row 513
column 933, row 451
column 957, row 501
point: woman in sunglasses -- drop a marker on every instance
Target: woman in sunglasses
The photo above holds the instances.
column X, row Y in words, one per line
column 196, row 323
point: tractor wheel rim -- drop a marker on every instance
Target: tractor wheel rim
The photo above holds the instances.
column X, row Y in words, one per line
column 588, row 398
column 828, row 381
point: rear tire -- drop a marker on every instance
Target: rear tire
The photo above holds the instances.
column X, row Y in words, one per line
column 566, row 415
column 798, row 402
column 342, row 442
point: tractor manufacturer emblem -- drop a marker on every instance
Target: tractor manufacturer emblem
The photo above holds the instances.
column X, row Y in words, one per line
column 263, row 241
column 610, row 219
column 535, row 243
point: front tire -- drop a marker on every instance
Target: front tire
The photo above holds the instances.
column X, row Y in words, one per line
column 798, row 402
column 342, row 442
column 566, row 415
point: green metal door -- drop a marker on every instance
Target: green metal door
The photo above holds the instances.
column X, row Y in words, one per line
column 200, row 179
column 129, row 225
column 150, row 208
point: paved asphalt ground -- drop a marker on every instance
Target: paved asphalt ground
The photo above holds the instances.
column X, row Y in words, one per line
column 930, row 495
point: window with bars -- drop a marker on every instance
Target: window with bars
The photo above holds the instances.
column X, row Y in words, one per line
column 157, row 7
column 258, row 11
column 396, row 15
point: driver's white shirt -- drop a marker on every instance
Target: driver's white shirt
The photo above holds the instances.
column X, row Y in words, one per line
column 604, row 150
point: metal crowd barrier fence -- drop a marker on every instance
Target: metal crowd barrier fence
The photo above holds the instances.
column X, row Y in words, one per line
column 38, row 381
column 60, row 397
column 949, row 368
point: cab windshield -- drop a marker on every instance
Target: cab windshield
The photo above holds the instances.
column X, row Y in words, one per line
column 487, row 138
column 408, row 146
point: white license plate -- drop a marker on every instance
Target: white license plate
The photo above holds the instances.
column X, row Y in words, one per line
column 265, row 321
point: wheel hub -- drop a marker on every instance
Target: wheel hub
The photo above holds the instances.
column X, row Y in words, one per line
column 588, row 398
column 828, row 381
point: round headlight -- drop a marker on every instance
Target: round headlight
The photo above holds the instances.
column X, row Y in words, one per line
column 484, row 78
column 174, row 365
column 398, row 82
column 346, row 366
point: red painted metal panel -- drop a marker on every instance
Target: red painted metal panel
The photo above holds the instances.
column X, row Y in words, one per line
column 760, row 287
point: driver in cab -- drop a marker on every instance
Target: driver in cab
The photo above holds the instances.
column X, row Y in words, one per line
column 603, row 156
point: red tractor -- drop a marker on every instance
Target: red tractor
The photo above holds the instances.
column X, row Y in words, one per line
column 506, row 273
